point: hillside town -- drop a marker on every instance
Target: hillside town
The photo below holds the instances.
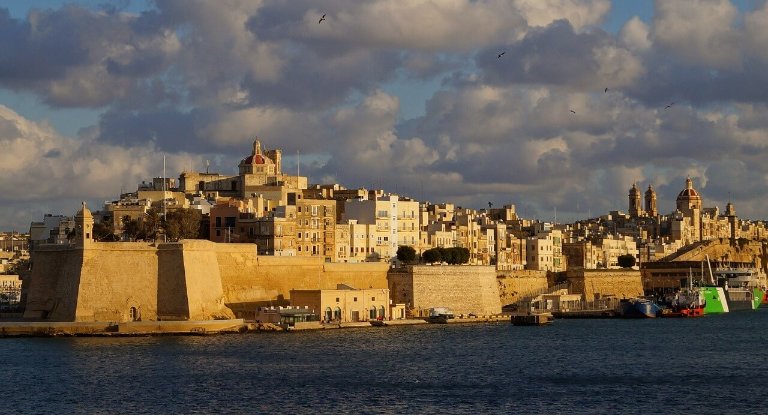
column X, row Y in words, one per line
column 227, row 248
column 285, row 216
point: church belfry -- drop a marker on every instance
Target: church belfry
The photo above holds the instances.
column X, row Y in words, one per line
column 635, row 207
column 650, row 202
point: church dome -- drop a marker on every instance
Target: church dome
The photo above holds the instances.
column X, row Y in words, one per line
column 254, row 159
column 689, row 193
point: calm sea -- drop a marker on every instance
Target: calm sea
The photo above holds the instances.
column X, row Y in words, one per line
column 709, row 365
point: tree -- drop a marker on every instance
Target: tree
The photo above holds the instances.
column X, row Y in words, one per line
column 102, row 231
column 626, row 261
column 432, row 255
column 406, row 253
column 183, row 224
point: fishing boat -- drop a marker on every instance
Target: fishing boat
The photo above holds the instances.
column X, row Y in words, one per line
column 687, row 302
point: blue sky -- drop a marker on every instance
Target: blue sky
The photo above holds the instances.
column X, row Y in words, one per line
column 407, row 95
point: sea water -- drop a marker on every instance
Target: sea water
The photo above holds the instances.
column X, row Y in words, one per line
column 715, row 364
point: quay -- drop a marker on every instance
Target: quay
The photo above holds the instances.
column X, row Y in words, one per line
column 198, row 327
column 109, row 329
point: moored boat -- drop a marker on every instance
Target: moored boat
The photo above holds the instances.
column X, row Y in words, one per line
column 639, row 307
column 733, row 289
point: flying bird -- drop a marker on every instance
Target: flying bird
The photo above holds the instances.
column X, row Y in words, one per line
column 321, row 19
column 500, row 54
column 606, row 91
column 573, row 111
column 669, row 105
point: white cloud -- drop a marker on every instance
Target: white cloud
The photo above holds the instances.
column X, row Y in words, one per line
column 580, row 13
column 635, row 35
column 699, row 31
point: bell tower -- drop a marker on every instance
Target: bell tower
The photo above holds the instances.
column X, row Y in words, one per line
column 635, row 207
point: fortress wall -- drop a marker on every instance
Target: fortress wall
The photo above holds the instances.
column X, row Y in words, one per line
column 463, row 289
column 115, row 277
column 514, row 285
column 53, row 284
column 363, row 275
column 205, row 297
column 248, row 278
column 620, row 283
column 193, row 279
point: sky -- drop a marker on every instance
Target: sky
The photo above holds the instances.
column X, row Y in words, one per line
column 408, row 96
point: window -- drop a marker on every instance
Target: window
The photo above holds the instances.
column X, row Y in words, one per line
column 354, row 299
column 337, row 299
column 373, row 298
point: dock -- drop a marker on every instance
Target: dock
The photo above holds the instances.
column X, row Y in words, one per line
column 538, row 319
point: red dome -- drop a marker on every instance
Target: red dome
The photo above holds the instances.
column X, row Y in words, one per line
column 688, row 194
column 254, row 159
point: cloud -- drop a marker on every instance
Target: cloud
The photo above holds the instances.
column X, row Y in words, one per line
column 197, row 80
column 47, row 169
column 699, row 31
column 75, row 57
column 558, row 55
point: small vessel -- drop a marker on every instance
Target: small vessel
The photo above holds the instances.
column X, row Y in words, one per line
column 638, row 307
column 439, row 315
column 688, row 302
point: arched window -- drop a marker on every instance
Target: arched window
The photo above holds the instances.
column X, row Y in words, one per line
column 328, row 314
column 133, row 314
column 337, row 314
column 372, row 313
column 381, row 312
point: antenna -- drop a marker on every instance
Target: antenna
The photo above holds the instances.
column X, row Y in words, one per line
column 164, row 196
column 207, row 164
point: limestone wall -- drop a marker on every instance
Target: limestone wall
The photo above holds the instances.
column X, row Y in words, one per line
column 116, row 277
column 516, row 284
column 463, row 289
column 53, row 283
column 191, row 280
column 620, row 283
column 248, row 278
column 204, row 291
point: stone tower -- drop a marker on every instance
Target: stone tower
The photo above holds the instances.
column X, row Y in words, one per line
column 733, row 221
column 84, row 228
column 689, row 204
column 650, row 202
column 635, row 207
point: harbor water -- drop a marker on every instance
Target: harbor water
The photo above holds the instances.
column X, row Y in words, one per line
column 710, row 365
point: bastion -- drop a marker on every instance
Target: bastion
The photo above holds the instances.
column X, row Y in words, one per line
column 462, row 288
column 189, row 280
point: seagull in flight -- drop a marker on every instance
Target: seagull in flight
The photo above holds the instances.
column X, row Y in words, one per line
column 501, row 54
column 573, row 111
column 606, row 91
column 321, row 19
column 669, row 105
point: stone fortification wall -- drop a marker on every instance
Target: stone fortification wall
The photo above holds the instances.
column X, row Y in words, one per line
column 517, row 284
column 463, row 289
column 97, row 284
column 248, row 278
column 191, row 280
column 53, row 283
column 741, row 250
column 619, row 283
column 201, row 280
